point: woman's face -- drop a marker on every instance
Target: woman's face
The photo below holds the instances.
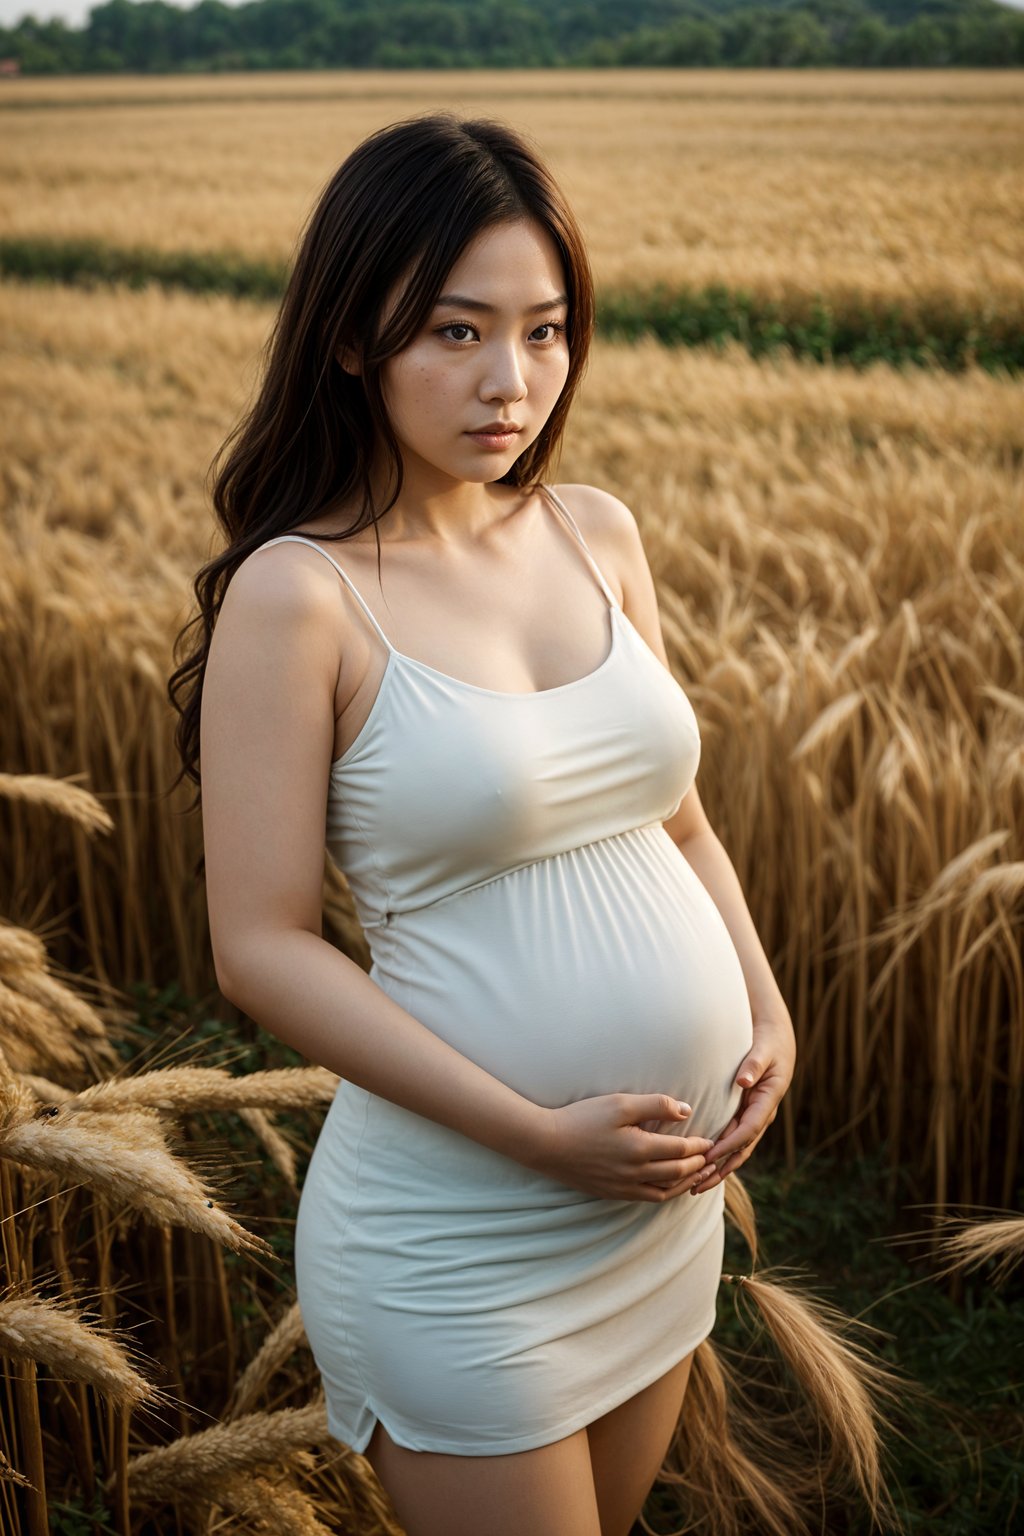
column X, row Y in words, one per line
column 493, row 353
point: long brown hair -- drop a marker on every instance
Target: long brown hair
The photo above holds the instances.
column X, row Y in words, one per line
column 399, row 210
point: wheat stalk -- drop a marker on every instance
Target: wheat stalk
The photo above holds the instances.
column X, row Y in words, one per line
column 64, row 1005
column 966, row 1243
column 276, row 1348
column 274, row 1508
column 190, row 1089
column 196, row 1463
column 20, row 949
column 53, row 1334
column 277, row 1146
column 28, row 1029
column 11, row 1474
column 59, row 795
column 124, row 1155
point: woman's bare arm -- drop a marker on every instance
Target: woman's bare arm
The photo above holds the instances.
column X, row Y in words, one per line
column 267, row 739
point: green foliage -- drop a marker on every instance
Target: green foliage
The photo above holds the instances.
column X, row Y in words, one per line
column 155, row 37
column 170, row 1029
column 88, row 262
column 77, row 1517
column 925, row 335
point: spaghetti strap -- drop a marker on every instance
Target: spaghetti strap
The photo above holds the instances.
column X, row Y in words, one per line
column 558, row 503
column 298, row 538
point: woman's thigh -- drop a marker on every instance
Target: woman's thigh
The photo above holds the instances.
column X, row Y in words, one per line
column 629, row 1444
column 546, row 1492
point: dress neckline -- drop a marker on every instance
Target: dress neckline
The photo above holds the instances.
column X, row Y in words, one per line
column 518, row 693
column 396, row 656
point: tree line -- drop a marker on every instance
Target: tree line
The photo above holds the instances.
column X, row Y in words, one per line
column 156, row 37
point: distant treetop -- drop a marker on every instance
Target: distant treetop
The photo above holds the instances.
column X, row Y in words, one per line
column 158, row 38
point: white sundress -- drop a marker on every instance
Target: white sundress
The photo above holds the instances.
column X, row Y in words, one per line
column 522, row 899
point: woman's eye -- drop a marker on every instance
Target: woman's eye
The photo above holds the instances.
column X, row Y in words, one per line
column 461, row 331
column 552, row 326
column 457, row 325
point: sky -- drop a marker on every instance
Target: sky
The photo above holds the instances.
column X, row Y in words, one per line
column 74, row 12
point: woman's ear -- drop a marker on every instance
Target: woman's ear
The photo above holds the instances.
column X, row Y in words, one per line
column 348, row 357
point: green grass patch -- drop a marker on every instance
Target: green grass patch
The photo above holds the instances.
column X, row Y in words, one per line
column 926, row 334
column 91, row 263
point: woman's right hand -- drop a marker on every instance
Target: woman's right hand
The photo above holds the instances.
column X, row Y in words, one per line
column 601, row 1146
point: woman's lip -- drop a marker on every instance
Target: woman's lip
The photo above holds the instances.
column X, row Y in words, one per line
column 495, row 439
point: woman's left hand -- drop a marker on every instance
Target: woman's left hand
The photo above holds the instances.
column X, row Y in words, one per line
column 764, row 1073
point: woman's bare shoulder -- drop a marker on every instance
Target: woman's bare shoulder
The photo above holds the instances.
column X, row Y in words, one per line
column 610, row 529
column 599, row 506
column 283, row 582
column 598, row 509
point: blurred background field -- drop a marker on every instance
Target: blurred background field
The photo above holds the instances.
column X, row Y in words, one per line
column 869, row 189
column 839, row 553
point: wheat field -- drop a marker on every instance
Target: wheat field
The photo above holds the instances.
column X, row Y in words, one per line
column 839, row 556
column 840, row 570
column 883, row 186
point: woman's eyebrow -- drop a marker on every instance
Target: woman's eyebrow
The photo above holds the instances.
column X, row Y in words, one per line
column 460, row 301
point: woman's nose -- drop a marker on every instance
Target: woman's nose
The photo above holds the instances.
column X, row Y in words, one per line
column 504, row 379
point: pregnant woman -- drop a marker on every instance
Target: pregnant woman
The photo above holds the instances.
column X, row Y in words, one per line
column 510, row 1236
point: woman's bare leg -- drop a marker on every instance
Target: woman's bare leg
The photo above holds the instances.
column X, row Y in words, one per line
column 629, row 1444
column 545, row 1492
column 591, row 1483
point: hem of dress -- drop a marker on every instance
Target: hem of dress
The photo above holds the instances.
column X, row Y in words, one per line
column 528, row 1442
